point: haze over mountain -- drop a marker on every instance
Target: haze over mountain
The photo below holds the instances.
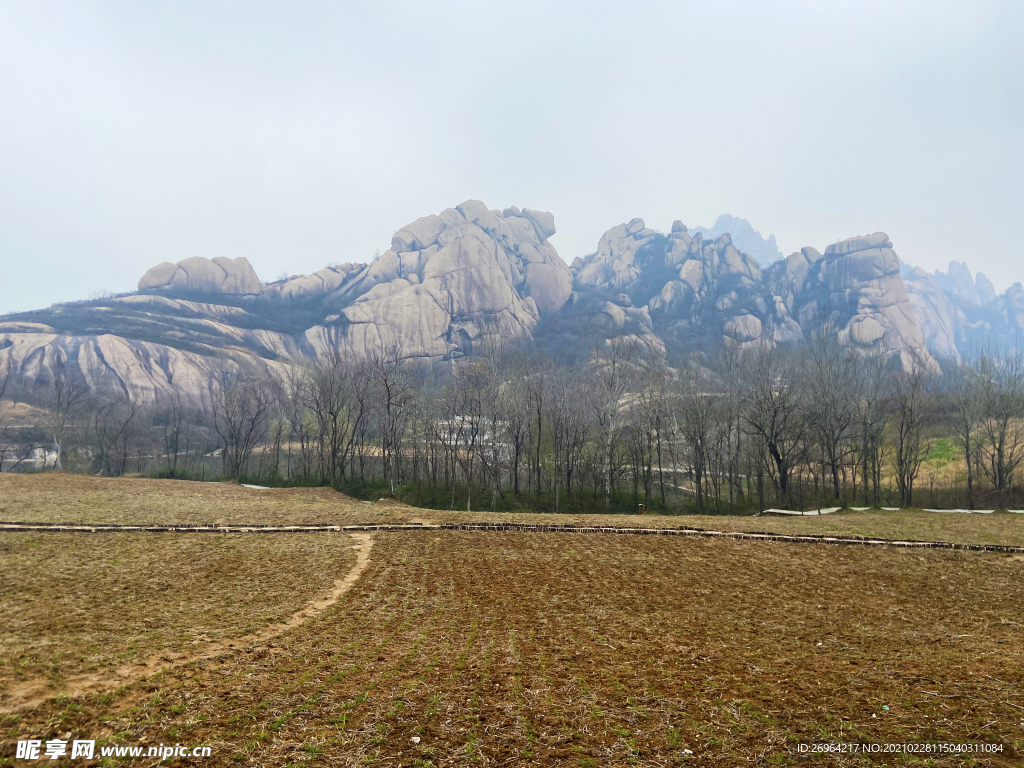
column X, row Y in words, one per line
column 452, row 280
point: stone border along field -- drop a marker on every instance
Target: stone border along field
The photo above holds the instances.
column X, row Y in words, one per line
column 507, row 528
column 59, row 497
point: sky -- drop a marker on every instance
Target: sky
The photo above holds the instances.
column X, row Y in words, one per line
column 299, row 134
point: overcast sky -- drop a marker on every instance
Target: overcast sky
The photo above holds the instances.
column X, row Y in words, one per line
column 299, row 134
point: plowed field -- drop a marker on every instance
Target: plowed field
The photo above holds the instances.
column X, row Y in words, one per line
column 532, row 649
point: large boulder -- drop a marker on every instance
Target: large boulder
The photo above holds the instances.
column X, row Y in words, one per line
column 234, row 277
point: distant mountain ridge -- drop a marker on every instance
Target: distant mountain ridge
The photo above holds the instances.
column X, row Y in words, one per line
column 745, row 238
column 451, row 280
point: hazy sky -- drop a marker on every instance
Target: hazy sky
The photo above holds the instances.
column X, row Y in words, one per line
column 298, row 134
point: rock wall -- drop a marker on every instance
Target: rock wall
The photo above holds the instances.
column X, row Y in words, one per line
column 869, row 304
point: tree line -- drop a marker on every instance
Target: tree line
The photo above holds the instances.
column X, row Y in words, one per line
column 799, row 428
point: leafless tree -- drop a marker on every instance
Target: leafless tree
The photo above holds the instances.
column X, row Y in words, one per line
column 964, row 416
column 115, row 427
column 240, row 408
column 6, row 370
column 833, row 378
column 775, row 409
column 1001, row 392
column 177, row 426
column 701, row 423
column 303, row 426
column 336, row 393
column 67, row 396
column 568, row 422
column 394, row 396
column 612, row 374
column 873, row 399
column 514, row 395
column 910, row 410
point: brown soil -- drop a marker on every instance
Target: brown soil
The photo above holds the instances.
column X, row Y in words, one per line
column 33, row 693
column 86, row 604
column 527, row 649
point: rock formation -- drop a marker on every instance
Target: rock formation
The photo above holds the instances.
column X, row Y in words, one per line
column 937, row 317
column 447, row 281
column 453, row 280
column 868, row 301
column 695, row 292
column 702, row 294
column 199, row 275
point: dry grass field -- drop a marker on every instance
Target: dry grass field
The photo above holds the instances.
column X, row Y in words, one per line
column 509, row 649
column 59, row 497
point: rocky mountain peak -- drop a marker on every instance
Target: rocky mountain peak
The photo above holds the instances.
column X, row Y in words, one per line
column 745, row 238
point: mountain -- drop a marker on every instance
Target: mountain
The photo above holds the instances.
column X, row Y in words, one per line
column 744, row 237
column 453, row 279
column 446, row 281
column 684, row 293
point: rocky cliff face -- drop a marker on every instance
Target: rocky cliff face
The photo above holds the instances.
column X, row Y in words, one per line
column 234, row 277
column 453, row 279
column 868, row 302
column 694, row 293
column 938, row 318
column 960, row 287
column 690, row 292
column 447, row 281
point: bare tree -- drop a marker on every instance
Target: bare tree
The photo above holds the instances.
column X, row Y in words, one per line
column 612, row 374
column 696, row 420
column 6, row 370
column 1001, row 392
column 515, row 397
column 833, row 377
column 964, row 416
column 294, row 397
column 774, row 407
column 873, row 400
column 568, row 422
column 240, row 408
column 394, row 396
column 176, row 422
column 537, row 393
column 68, row 394
column 336, row 393
column 910, row 409
column 114, row 430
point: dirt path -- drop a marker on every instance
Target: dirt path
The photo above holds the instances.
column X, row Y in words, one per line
column 32, row 693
